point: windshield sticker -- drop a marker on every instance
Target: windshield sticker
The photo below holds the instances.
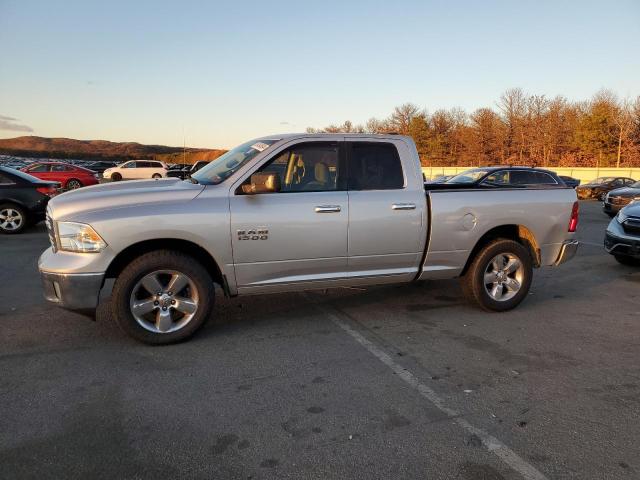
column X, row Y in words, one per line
column 260, row 146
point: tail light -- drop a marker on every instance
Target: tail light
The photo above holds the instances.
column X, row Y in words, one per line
column 573, row 221
column 48, row 191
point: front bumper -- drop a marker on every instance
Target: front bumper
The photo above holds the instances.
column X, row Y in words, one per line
column 617, row 245
column 567, row 251
column 613, row 207
column 78, row 292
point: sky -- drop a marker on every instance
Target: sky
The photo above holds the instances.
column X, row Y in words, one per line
column 214, row 74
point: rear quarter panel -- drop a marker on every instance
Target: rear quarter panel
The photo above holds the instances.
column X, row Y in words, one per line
column 460, row 218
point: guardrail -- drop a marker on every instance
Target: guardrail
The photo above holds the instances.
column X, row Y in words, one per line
column 583, row 174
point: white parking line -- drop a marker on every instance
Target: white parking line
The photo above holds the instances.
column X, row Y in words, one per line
column 495, row 446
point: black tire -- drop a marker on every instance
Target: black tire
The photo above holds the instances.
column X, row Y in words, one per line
column 16, row 211
column 74, row 183
column 472, row 281
column 626, row 260
column 156, row 175
column 116, row 177
column 146, row 264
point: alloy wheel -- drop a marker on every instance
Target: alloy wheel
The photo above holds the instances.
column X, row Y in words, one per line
column 164, row 301
column 503, row 277
column 10, row 219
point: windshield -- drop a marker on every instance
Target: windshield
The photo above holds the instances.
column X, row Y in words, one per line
column 226, row 165
column 635, row 185
column 601, row 180
column 469, row 176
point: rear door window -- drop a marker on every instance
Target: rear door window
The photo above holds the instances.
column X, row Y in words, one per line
column 43, row 167
column 530, row 177
column 374, row 166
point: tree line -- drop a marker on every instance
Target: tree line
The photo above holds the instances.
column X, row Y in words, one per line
column 521, row 129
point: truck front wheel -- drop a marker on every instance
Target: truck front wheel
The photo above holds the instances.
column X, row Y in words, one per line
column 162, row 297
column 499, row 277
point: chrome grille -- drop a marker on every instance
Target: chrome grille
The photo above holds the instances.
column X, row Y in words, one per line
column 632, row 225
column 51, row 230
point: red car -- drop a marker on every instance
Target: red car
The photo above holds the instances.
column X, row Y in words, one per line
column 69, row 176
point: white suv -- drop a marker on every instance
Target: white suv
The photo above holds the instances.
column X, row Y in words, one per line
column 136, row 169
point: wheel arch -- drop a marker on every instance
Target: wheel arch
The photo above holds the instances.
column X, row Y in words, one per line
column 13, row 201
column 184, row 246
column 518, row 233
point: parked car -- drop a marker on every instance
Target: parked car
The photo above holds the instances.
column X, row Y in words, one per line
column 619, row 198
column 187, row 171
column 570, row 181
column 100, row 165
column 23, row 199
column 599, row 187
column 506, row 176
column 136, row 170
column 622, row 238
column 69, row 176
column 293, row 212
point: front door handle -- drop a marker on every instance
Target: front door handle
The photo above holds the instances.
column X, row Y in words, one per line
column 403, row 206
column 328, row 208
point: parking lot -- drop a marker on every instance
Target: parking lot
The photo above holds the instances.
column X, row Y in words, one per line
column 383, row 382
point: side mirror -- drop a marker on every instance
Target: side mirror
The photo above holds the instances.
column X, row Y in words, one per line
column 262, row 183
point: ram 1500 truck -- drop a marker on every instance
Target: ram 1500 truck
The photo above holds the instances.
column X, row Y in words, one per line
column 294, row 212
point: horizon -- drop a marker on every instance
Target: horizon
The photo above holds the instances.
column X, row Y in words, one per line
column 213, row 76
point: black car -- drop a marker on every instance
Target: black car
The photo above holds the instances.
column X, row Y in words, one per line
column 599, row 187
column 619, row 198
column 188, row 171
column 622, row 238
column 23, row 199
column 505, row 177
column 99, row 165
column 570, row 181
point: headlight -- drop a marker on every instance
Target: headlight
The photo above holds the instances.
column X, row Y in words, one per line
column 79, row 237
column 621, row 217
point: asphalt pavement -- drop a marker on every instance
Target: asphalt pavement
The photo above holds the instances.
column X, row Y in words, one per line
column 402, row 381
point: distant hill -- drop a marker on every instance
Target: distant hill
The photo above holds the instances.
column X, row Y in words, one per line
column 62, row 148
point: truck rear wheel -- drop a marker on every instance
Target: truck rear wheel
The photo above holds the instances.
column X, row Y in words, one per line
column 162, row 297
column 499, row 277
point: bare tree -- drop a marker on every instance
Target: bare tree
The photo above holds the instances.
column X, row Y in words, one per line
column 623, row 118
column 523, row 129
column 402, row 116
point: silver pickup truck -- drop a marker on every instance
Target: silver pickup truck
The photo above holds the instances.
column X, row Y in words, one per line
column 294, row 212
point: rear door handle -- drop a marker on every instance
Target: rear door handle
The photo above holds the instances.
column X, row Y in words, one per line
column 328, row 208
column 403, row 206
